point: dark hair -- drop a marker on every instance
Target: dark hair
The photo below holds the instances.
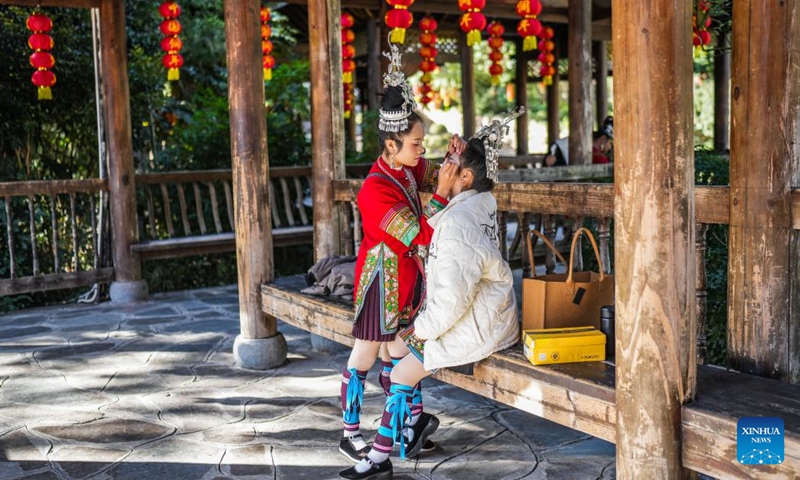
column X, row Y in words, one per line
column 393, row 100
column 474, row 159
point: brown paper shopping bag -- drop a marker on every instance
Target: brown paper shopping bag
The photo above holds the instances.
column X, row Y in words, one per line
column 570, row 299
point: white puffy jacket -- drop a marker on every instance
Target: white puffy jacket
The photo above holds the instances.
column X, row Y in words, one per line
column 471, row 309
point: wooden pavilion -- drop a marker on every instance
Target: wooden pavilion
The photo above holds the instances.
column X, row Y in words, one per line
column 668, row 416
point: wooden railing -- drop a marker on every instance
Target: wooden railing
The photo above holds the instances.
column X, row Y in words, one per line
column 51, row 235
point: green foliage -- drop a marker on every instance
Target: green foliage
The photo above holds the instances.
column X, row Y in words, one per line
column 289, row 108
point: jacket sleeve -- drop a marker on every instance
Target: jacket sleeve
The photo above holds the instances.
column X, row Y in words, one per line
column 455, row 271
column 426, row 173
column 382, row 205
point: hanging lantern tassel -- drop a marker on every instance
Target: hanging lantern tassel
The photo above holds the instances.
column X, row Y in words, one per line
column 41, row 59
column 399, row 19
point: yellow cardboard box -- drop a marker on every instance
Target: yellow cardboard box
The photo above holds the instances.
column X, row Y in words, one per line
column 564, row 345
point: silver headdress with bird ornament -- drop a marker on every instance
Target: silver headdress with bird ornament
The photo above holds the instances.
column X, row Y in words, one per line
column 492, row 136
column 396, row 120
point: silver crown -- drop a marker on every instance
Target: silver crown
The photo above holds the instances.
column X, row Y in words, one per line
column 396, row 120
column 492, row 136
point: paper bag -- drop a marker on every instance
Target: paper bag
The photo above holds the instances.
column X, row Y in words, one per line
column 570, row 299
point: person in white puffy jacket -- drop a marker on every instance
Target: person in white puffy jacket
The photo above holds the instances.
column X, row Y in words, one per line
column 471, row 309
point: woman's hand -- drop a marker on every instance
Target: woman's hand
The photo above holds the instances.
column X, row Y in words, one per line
column 448, row 175
column 456, row 146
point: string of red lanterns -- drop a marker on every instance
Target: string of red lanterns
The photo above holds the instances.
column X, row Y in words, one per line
column 427, row 52
column 546, row 56
column 41, row 59
column 701, row 21
column 171, row 44
column 473, row 22
column 496, row 32
column 399, row 19
column 348, row 64
column 529, row 27
column 267, row 60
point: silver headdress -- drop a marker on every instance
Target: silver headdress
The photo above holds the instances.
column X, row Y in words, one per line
column 492, row 136
column 396, row 120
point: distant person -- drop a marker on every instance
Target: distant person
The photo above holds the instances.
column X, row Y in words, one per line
column 602, row 144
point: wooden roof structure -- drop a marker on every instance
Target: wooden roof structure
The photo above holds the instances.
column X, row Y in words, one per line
column 654, row 198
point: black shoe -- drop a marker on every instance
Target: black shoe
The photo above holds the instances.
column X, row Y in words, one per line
column 428, row 446
column 377, row 471
column 424, row 428
column 349, row 450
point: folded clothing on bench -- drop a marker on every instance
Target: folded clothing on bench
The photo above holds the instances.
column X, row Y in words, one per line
column 333, row 275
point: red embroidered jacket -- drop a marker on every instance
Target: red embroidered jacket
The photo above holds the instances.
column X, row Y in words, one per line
column 394, row 224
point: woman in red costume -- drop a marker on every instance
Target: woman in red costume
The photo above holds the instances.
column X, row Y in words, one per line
column 390, row 284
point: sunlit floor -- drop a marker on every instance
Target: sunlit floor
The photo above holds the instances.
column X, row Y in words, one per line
column 150, row 392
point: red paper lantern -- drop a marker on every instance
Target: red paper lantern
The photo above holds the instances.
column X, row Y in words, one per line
column 267, row 60
column 171, row 44
column 41, row 59
column 399, row 19
column 348, row 67
column 529, row 27
column 348, row 36
column 428, row 53
column 546, row 57
column 347, row 20
column 496, row 31
column 348, row 51
column 472, row 21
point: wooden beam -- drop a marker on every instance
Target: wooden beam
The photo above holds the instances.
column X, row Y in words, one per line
column 467, row 86
column 584, row 199
column 793, row 110
column 327, row 140
column 553, row 98
column 58, row 281
column 373, row 62
column 722, row 95
column 654, row 235
column 121, row 180
column 521, row 87
column 52, row 187
column 580, row 82
column 250, row 164
column 600, row 85
column 54, row 3
column 764, row 124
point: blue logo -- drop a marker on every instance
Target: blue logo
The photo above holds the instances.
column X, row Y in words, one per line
column 759, row 440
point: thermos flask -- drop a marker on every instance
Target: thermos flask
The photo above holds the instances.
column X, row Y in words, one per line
column 607, row 327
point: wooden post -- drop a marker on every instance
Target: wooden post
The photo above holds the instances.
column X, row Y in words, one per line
column 722, row 95
column 373, row 63
column 259, row 345
column 521, row 87
column 553, row 120
column 793, row 110
column 763, row 128
column 654, row 234
column 600, row 87
column 467, row 85
column 128, row 285
column 580, row 82
column 327, row 139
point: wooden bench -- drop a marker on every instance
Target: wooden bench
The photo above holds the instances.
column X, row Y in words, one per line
column 582, row 395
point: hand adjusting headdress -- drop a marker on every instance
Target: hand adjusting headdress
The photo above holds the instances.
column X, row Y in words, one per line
column 492, row 136
column 396, row 120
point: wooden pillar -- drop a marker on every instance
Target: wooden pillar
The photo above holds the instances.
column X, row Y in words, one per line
column 327, row 137
column 654, row 234
column 374, row 74
column 722, row 95
column 580, row 82
column 467, row 85
column 600, row 87
column 521, row 87
column 763, row 158
column 259, row 345
column 553, row 98
column 128, row 284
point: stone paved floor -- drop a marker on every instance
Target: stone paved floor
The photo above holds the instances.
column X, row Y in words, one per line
column 149, row 391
